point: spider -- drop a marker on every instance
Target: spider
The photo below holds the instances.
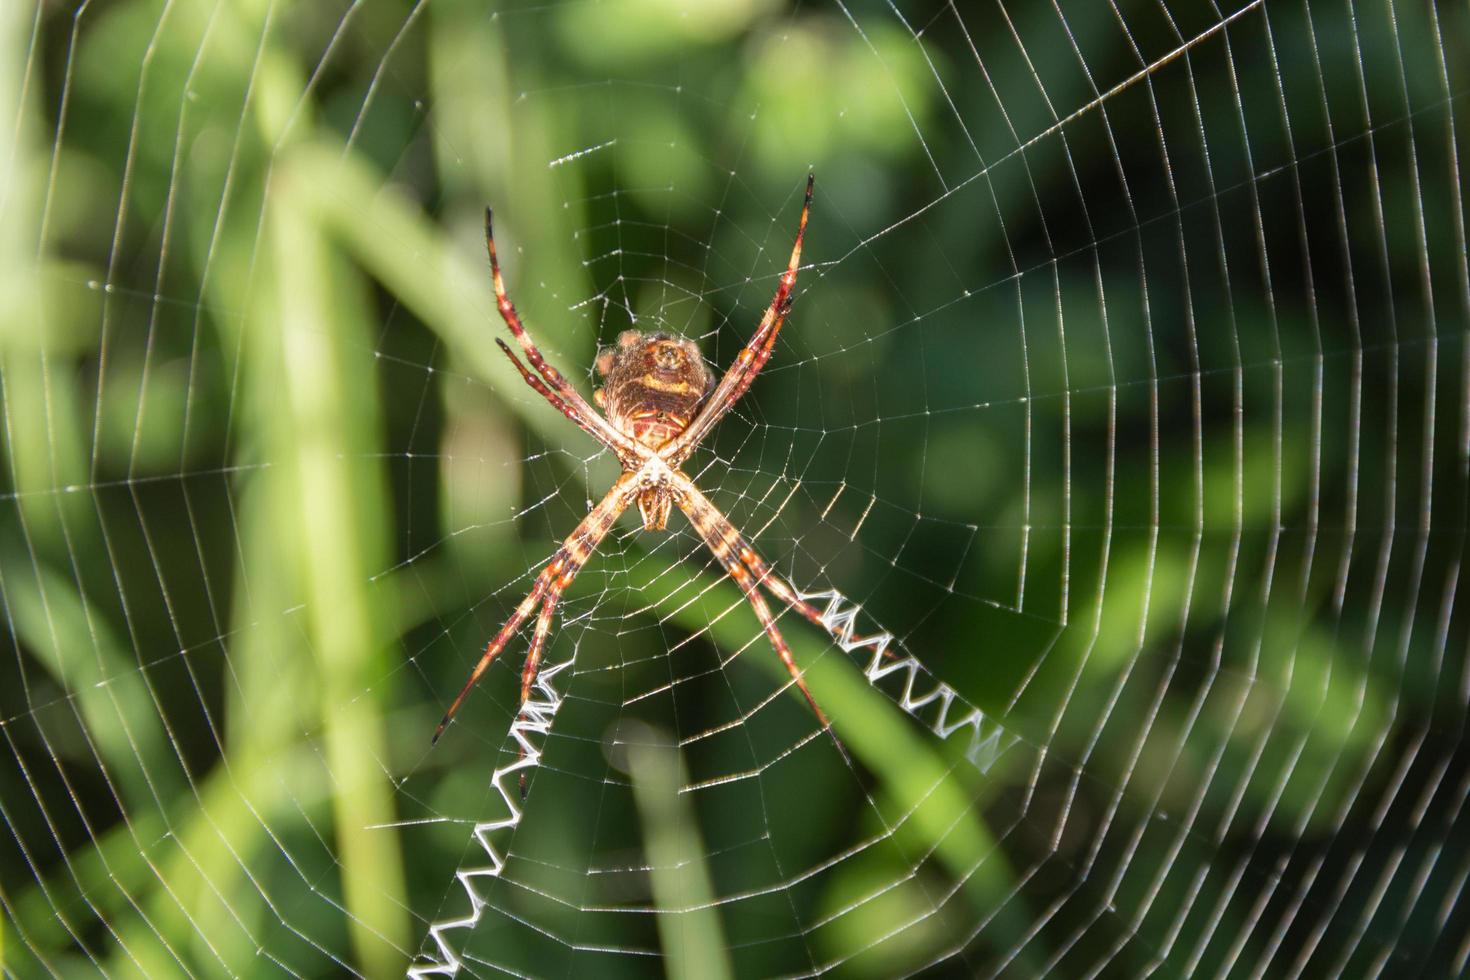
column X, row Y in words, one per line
column 658, row 403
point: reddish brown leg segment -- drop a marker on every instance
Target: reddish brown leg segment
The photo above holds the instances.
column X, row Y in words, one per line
column 751, row 358
column 538, row 645
column 550, row 584
column 779, row 588
column 572, row 404
column 579, row 549
column 498, row 643
column 728, row 546
column 551, row 396
column 763, row 341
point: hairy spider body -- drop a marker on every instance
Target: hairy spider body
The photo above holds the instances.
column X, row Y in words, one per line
column 655, row 384
column 660, row 403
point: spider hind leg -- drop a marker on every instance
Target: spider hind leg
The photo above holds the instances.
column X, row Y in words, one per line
column 728, row 546
column 554, row 579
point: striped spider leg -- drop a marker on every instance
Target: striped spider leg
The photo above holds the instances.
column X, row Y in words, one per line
column 557, row 576
column 746, row 568
column 658, row 403
column 568, row 400
column 752, row 357
column 554, row 579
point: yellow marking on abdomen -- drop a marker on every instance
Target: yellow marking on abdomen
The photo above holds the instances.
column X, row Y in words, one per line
column 674, row 387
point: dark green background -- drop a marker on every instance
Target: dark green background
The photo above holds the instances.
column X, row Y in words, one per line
column 1127, row 387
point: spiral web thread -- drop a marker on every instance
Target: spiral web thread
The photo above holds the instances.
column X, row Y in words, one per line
column 528, row 732
column 984, row 748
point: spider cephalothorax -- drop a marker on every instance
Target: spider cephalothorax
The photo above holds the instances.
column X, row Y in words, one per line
column 660, row 403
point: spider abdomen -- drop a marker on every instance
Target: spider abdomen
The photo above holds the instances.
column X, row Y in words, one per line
column 655, row 384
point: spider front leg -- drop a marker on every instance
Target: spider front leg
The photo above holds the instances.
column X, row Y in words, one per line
column 561, row 394
column 729, row 547
column 549, row 585
column 556, row 401
column 752, row 357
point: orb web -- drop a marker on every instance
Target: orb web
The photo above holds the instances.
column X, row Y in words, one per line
column 1119, row 440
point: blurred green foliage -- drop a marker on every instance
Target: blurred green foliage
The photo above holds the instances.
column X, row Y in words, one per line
column 1129, row 463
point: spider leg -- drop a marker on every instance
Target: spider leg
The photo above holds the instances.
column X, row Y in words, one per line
column 729, row 547
column 752, row 357
column 538, row 641
column 783, row 591
column 571, row 403
column 578, row 549
column 498, row 643
column 778, row 587
column 543, row 623
column 556, row 400
column 553, row 580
